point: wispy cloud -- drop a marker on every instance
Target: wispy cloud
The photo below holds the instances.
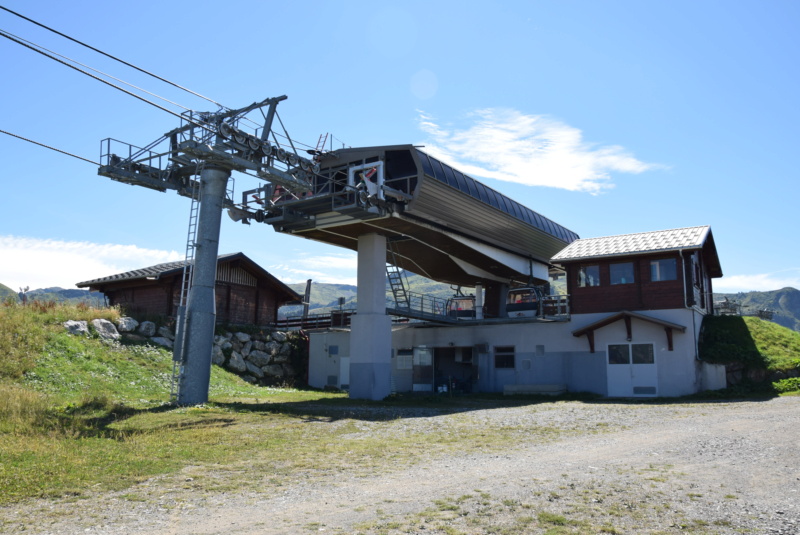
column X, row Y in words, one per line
column 760, row 282
column 42, row 263
column 534, row 150
column 334, row 268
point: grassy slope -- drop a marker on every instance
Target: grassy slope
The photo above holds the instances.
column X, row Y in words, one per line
column 751, row 341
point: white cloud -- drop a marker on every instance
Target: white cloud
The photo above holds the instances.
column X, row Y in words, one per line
column 334, row 269
column 760, row 282
column 42, row 263
column 534, row 150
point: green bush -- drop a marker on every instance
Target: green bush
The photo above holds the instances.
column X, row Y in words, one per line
column 792, row 384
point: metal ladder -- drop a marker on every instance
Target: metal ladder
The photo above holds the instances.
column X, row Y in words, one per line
column 397, row 279
column 178, row 357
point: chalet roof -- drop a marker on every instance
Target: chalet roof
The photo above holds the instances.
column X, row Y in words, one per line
column 631, row 244
column 172, row 268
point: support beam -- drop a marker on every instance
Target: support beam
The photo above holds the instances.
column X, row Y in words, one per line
column 371, row 328
column 201, row 307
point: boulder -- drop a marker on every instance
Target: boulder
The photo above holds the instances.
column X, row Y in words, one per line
column 79, row 328
column 259, row 345
column 147, row 328
column 242, row 337
column 166, row 332
column 217, row 356
column 259, row 358
column 127, row 324
column 105, row 329
column 236, row 363
column 279, row 336
column 246, row 349
column 272, row 348
column 162, row 341
column 219, row 340
column 280, row 358
column 273, row 370
column 254, row 370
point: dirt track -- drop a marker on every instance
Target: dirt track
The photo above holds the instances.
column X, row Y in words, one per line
column 677, row 468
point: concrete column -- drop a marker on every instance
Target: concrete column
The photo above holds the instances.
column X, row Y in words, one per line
column 479, row 301
column 201, row 306
column 371, row 328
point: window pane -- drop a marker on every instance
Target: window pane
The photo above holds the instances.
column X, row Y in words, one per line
column 504, row 357
column 663, row 270
column 643, row 354
column 621, row 273
column 619, row 354
column 588, row 276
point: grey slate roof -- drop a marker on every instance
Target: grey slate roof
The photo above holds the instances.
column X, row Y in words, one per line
column 628, row 244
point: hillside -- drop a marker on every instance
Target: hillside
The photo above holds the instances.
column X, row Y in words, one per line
column 325, row 296
column 5, row 291
column 58, row 295
column 784, row 303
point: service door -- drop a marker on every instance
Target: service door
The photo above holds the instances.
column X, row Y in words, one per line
column 422, row 374
column 632, row 370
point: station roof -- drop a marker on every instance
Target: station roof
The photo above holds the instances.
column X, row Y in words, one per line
column 441, row 223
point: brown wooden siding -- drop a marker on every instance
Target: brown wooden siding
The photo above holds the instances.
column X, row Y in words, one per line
column 240, row 297
column 642, row 294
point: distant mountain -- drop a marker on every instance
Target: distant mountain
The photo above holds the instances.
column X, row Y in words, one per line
column 325, row 296
column 784, row 305
column 59, row 295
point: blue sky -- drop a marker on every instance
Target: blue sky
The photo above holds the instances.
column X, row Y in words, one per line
column 608, row 117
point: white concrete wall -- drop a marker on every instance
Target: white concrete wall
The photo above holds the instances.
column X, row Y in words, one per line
column 554, row 355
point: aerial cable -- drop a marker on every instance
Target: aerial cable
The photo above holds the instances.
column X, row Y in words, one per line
column 113, row 57
column 49, row 147
column 162, row 108
column 95, row 70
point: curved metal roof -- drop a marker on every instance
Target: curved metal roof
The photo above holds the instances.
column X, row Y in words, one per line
column 443, row 224
column 477, row 190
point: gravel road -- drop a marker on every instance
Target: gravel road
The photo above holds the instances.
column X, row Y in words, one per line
column 716, row 467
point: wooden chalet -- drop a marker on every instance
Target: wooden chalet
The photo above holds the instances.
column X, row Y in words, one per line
column 660, row 270
column 245, row 292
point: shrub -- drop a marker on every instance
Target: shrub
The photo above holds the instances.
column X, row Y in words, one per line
column 792, row 384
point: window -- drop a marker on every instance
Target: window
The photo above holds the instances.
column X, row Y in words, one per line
column 663, row 270
column 405, row 359
column 643, row 353
column 619, row 354
column 622, row 353
column 621, row 273
column 588, row 276
column 504, row 357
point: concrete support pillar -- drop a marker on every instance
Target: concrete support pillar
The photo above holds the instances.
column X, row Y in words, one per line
column 201, row 306
column 479, row 301
column 371, row 328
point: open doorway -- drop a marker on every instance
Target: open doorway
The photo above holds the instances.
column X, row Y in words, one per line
column 455, row 369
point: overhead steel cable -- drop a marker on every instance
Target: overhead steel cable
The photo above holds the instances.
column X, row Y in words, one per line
column 162, row 108
column 49, row 147
column 95, row 70
column 112, row 57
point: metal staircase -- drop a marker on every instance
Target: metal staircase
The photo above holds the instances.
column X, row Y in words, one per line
column 186, row 283
column 397, row 279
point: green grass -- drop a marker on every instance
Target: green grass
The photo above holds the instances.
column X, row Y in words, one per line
column 81, row 415
column 751, row 341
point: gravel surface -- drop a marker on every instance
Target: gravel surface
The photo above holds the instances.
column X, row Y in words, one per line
column 717, row 467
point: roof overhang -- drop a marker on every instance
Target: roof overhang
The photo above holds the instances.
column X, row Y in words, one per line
column 627, row 316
